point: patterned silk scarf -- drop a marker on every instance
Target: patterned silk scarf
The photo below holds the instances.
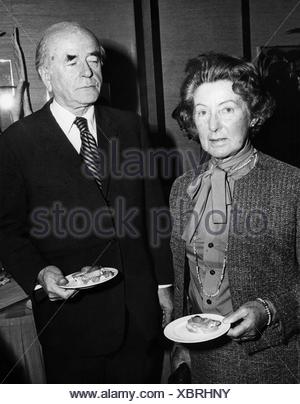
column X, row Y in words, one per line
column 217, row 180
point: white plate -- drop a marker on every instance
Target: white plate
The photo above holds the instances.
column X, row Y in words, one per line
column 177, row 331
column 79, row 280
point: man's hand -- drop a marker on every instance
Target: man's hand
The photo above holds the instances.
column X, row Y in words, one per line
column 251, row 318
column 51, row 278
column 165, row 297
column 180, row 354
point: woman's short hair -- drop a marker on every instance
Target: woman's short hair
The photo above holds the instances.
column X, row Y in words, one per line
column 211, row 67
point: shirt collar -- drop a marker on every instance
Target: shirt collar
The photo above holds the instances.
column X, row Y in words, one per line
column 65, row 118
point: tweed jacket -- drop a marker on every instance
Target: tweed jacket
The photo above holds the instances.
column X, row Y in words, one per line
column 263, row 247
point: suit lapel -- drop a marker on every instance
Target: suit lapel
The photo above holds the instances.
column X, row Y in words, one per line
column 54, row 141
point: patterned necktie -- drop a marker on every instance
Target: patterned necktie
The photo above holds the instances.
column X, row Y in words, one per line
column 89, row 150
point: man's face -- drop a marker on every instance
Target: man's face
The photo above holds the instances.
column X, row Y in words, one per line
column 73, row 70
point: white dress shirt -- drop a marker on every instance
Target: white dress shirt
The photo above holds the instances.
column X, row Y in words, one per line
column 65, row 120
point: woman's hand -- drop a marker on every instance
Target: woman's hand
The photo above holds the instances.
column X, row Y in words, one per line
column 251, row 318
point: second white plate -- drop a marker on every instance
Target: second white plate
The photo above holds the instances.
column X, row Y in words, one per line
column 177, row 331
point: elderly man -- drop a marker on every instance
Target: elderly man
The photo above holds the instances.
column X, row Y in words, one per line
column 59, row 212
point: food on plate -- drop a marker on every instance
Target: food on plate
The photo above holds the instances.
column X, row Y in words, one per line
column 83, row 278
column 202, row 324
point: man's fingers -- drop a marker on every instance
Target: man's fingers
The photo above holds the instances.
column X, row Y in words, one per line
column 62, row 281
column 53, row 280
column 57, row 291
column 53, row 298
column 60, row 293
column 86, row 269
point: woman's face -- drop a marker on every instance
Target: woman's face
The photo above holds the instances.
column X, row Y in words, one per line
column 221, row 117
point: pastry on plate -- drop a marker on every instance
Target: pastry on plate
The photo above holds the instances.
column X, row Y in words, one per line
column 202, row 324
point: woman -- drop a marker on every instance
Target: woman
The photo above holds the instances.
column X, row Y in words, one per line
column 236, row 231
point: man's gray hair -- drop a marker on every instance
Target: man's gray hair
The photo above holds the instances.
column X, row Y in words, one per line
column 42, row 47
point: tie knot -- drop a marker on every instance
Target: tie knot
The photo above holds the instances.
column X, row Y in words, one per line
column 81, row 124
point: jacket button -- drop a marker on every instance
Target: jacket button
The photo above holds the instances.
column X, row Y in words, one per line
column 210, row 245
column 212, row 272
column 208, row 301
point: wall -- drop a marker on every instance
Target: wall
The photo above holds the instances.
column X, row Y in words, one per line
column 270, row 22
column 187, row 28
column 280, row 135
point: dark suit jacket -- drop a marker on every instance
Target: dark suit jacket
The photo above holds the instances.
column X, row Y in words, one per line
column 46, row 202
